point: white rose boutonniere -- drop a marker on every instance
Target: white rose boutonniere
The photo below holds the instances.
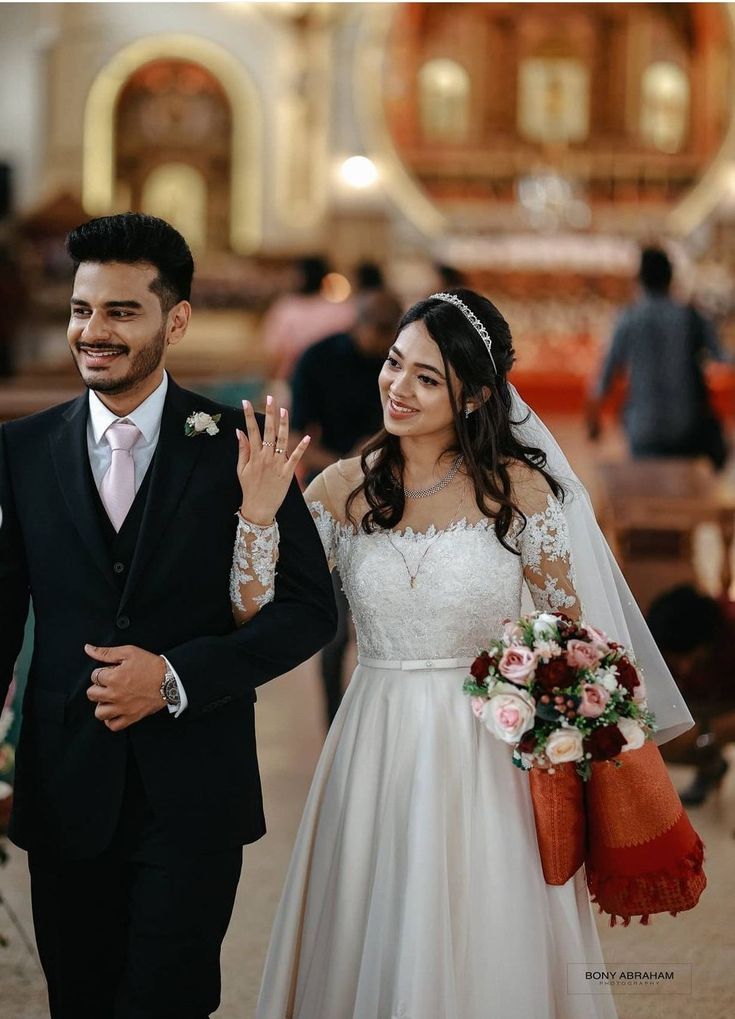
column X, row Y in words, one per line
column 200, row 423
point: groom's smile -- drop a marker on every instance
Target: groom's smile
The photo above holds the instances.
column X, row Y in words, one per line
column 118, row 330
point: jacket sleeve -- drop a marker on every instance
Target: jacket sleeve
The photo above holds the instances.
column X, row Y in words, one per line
column 300, row 620
column 14, row 586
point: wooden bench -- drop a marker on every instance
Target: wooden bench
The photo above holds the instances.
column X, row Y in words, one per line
column 650, row 509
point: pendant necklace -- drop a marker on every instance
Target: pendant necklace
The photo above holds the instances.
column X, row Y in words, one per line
column 412, row 576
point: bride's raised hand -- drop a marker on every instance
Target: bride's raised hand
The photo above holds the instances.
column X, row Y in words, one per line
column 264, row 468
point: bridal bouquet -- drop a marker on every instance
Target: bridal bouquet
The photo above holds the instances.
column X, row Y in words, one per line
column 558, row 692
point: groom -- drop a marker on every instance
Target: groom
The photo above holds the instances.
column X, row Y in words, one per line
column 137, row 779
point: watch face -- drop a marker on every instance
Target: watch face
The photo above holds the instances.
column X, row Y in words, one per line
column 171, row 691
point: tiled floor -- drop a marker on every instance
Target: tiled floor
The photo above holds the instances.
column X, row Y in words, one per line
column 289, row 739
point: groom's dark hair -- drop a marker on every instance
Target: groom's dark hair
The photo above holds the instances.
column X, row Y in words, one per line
column 134, row 238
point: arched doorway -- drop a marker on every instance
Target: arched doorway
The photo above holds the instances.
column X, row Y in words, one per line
column 104, row 191
column 173, row 139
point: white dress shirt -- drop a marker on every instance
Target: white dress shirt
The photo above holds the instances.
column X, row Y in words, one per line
column 147, row 418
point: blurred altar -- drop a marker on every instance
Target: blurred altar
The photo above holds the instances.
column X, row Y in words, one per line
column 532, row 147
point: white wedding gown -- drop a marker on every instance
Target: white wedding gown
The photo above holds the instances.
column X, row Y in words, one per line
column 415, row 889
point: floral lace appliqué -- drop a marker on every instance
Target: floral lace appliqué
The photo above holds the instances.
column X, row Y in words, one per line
column 547, row 559
column 326, row 525
column 254, row 558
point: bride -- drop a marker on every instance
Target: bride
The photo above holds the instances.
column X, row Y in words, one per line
column 415, row 890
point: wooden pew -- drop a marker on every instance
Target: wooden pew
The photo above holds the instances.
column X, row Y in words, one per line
column 649, row 510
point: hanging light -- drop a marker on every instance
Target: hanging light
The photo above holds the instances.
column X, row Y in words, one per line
column 358, row 172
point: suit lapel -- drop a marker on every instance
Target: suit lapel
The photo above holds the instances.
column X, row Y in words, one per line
column 70, row 457
column 175, row 458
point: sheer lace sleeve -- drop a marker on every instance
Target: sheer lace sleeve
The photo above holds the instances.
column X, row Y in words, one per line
column 546, row 556
column 319, row 499
column 253, row 573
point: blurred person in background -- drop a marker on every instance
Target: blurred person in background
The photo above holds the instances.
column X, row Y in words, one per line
column 660, row 345
column 447, row 276
column 696, row 636
column 335, row 399
column 369, row 276
column 295, row 321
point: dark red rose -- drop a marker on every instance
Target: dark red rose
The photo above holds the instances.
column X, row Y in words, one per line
column 554, row 673
column 527, row 742
column 481, row 666
column 627, row 676
column 604, row 743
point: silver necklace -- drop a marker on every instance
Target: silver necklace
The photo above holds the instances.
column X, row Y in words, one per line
column 424, row 493
column 412, row 576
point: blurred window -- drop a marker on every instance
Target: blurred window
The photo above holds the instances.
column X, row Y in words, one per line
column 444, row 97
column 553, row 99
column 665, row 94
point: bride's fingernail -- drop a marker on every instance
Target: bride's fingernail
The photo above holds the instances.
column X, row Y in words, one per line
column 269, row 400
column 246, row 404
column 283, row 412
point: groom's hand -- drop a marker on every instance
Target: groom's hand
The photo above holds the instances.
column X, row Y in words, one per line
column 126, row 685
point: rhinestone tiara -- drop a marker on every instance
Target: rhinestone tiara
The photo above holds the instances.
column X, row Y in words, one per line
column 471, row 318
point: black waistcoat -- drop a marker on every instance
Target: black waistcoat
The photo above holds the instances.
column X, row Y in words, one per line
column 121, row 544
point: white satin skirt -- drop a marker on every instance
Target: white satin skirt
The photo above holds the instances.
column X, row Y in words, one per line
column 415, row 888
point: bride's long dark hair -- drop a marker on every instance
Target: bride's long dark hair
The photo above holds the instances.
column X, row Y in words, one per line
column 485, row 438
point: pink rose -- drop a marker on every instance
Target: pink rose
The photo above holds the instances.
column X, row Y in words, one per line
column 581, row 655
column 594, row 700
column 509, row 712
column 598, row 638
column 512, row 633
column 517, row 664
column 478, row 706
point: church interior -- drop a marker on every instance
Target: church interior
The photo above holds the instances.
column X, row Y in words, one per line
column 529, row 151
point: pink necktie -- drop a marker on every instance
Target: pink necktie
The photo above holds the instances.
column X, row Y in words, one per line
column 117, row 490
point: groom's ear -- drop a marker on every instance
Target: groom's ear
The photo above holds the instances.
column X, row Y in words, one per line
column 177, row 322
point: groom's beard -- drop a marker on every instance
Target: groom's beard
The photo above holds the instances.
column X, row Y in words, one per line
column 140, row 365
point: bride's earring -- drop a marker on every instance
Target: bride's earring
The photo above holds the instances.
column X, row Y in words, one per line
column 467, row 411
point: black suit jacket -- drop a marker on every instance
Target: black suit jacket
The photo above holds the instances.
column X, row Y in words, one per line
column 199, row 770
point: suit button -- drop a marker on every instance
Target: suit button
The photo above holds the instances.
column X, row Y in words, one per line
column 122, row 623
column 428, row 664
column 118, row 567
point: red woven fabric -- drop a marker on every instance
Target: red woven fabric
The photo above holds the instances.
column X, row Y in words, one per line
column 628, row 826
column 643, row 855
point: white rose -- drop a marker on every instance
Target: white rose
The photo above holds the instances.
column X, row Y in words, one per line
column 544, row 626
column 200, row 421
column 564, row 745
column 635, row 736
column 211, row 428
column 509, row 712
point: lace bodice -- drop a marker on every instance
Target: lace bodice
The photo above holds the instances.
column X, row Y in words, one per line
column 466, row 583
column 436, row 593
